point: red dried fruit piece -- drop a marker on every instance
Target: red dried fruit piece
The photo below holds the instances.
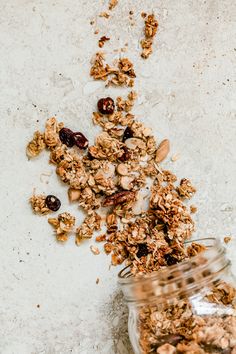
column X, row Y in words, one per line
column 106, row 105
column 128, row 133
column 126, row 155
column 142, row 250
column 52, row 202
column 119, row 198
column 66, row 137
column 80, row 140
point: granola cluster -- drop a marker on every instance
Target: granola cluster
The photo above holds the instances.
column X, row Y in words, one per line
column 63, row 224
column 150, row 30
column 122, row 74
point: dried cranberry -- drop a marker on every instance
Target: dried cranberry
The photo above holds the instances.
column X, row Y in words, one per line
column 170, row 260
column 106, row 105
column 67, row 137
column 142, row 250
column 126, row 155
column 128, row 133
column 80, row 140
column 52, row 202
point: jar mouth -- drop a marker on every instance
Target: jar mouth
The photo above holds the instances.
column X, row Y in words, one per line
column 189, row 273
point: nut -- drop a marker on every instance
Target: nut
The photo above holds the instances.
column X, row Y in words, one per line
column 125, row 182
column 122, row 169
column 73, row 194
column 119, row 198
column 162, row 150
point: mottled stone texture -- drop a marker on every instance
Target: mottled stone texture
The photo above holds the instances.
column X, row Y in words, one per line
column 186, row 93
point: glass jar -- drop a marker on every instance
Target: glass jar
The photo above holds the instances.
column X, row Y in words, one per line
column 187, row 308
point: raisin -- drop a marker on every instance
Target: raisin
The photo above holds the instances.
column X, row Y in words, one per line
column 52, row 202
column 128, row 133
column 170, row 260
column 67, row 137
column 80, row 140
column 142, row 250
column 126, row 155
column 106, row 105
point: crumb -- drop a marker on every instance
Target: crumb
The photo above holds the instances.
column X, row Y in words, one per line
column 97, row 280
column 102, row 41
column 94, row 250
column 227, row 239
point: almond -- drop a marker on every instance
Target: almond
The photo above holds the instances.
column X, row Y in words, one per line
column 73, row 194
column 162, row 151
column 122, row 169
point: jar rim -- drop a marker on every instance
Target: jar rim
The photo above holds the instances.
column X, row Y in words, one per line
column 125, row 276
column 204, row 267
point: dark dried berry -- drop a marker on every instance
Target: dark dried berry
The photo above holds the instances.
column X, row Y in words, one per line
column 80, row 140
column 128, row 133
column 170, row 260
column 142, row 250
column 106, row 105
column 67, row 137
column 52, row 202
column 126, row 155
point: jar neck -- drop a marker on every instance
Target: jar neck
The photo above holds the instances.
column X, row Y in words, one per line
column 177, row 281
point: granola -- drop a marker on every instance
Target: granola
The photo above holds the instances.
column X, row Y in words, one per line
column 150, row 30
column 63, row 224
column 36, row 145
column 38, row 204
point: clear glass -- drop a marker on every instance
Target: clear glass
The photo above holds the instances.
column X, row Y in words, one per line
column 185, row 308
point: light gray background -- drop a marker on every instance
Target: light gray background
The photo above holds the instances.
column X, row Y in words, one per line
column 186, row 92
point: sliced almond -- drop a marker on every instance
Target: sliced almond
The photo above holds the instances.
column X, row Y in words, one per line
column 73, row 194
column 125, row 182
column 162, row 151
column 94, row 250
column 133, row 143
column 122, row 169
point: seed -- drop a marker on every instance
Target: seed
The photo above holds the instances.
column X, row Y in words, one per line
column 52, row 202
column 142, row 250
column 106, row 105
column 128, row 133
column 67, row 137
column 80, row 140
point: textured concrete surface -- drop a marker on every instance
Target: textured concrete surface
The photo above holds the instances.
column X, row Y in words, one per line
column 186, row 92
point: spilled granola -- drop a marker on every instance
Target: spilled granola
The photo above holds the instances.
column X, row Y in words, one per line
column 150, row 30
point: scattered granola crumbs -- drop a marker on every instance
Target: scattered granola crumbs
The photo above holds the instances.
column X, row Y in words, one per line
column 38, row 204
column 150, row 31
column 36, row 145
column 94, row 250
column 193, row 209
column 227, row 239
column 112, row 4
column 104, row 14
column 102, row 41
column 186, row 189
column 63, row 224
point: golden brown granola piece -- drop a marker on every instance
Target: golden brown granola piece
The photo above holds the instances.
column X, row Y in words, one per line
column 102, row 41
column 63, row 224
column 38, row 204
column 126, row 67
column 112, row 4
column 150, row 31
column 98, row 70
column 90, row 224
column 52, row 128
column 104, row 14
column 111, row 221
column 119, row 198
column 94, row 250
column 194, row 249
column 193, row 209
column 227, row 239
column 186, row 189
column 126, row 105
column 222, row 293
column 36, row 145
